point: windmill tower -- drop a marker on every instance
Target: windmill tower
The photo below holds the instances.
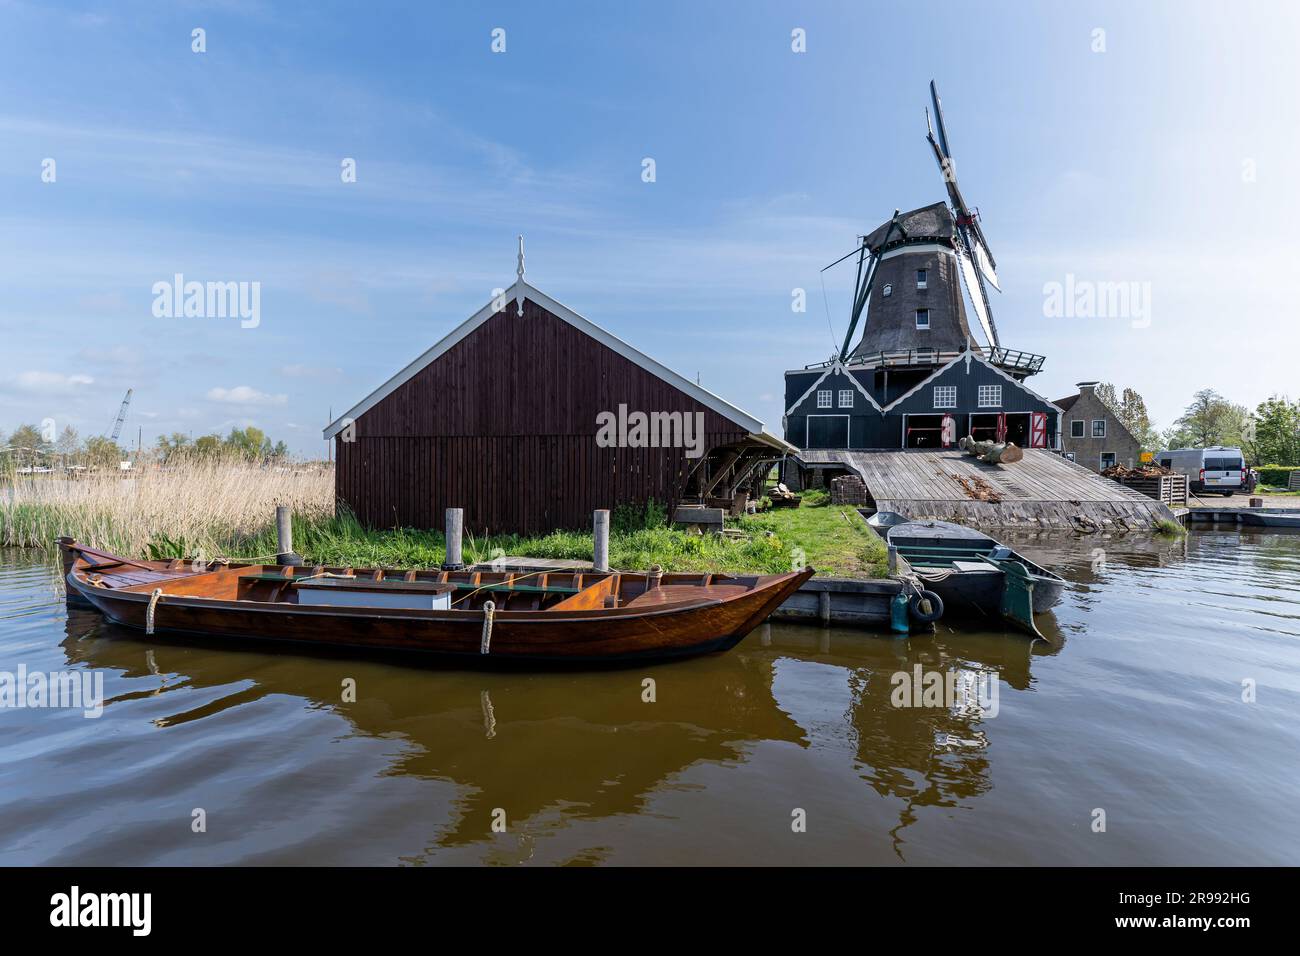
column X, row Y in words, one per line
column 911, row 272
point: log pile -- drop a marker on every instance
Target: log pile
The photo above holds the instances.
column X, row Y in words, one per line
column 1121, row 472
column 994, row 453
column 783, row 497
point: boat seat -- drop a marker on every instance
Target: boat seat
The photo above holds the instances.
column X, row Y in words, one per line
column 681, row 593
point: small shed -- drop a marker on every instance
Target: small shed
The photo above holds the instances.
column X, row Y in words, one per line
column 530, row 416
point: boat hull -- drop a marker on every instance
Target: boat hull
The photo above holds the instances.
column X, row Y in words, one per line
column 672, row 630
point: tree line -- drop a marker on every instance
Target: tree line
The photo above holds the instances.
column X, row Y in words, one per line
column 29, row 447
column 1269, row 435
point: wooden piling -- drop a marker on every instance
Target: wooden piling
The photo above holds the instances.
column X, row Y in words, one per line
column 600, row 542
column 455, row 528
column 284, row 537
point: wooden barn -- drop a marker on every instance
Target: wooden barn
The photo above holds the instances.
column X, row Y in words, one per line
column 529, row 417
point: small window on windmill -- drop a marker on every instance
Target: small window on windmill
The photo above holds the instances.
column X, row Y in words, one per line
column 922, row 318
column 920, row 278
column 990, row 396
column 888, row 290
column 824, row 398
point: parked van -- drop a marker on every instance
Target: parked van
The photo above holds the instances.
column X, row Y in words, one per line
column 1218, row 468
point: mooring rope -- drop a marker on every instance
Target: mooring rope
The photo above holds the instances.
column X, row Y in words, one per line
column 653, row 577
column 489, row 612
column 154, row 598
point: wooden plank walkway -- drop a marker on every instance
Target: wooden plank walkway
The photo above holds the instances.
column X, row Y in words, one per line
column 1041, row 490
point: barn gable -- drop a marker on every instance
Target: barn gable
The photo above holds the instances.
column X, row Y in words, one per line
column 967, row 372
column 500, row 418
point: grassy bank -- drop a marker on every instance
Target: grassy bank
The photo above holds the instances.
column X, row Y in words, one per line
column 226, row 510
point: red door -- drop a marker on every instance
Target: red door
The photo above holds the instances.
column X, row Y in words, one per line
column 1037, row 429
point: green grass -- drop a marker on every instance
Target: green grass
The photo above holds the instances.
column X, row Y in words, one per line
column 1169, row 528
column 834, row 538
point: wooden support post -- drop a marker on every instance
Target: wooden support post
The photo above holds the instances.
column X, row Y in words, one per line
column 824, row 608
column 892, row 554
column 455, row 528
column 600, row 543
column 284, row 553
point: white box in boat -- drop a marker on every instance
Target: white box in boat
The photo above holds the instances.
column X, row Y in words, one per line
column 338, row 593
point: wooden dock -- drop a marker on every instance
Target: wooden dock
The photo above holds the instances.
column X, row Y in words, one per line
column 1042, row 491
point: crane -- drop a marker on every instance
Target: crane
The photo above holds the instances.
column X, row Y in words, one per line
column 121, row 415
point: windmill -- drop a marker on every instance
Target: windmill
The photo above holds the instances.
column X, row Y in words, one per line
column 934, row 242
column 976, row 260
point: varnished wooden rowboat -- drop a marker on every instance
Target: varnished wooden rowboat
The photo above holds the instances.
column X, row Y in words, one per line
column 579, row 617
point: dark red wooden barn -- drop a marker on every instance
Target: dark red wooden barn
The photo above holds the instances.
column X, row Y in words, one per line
column 500, row 418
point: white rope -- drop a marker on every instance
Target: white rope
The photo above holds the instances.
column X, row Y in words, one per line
column 154, row 598
column 489, row 612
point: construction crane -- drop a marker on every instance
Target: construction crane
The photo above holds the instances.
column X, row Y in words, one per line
column 121, row 415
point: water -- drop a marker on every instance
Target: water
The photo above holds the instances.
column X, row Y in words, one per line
column 1136, row 709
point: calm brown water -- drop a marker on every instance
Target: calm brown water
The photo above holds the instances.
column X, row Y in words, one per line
column 1137, row 710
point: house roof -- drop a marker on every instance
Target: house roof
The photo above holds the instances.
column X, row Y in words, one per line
column 522, row 290
column 1064, row 404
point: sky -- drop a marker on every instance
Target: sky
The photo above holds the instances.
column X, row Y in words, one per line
column 1150, row 144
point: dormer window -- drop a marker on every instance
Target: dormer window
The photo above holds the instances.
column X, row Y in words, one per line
column 923, row 318
column 888, row 290
column 920, row 278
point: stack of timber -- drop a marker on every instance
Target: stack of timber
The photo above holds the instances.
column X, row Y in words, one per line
column 1043, row 491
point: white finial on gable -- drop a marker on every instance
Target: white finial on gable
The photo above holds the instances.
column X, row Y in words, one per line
column 519, row 300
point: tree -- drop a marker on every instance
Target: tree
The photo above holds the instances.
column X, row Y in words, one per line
column 1209, row 420
column 1131, row 410
column 207, row 446
column 1277, row 432
column 68, row 446
column 28, row 446
column 249, row 443
column 169, row 447
column 103, row 452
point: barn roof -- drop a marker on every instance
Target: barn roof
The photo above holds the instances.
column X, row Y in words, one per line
column 522, row 290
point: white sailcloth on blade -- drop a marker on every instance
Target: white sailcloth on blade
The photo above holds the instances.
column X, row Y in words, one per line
column 986, row 264
column 971, row 281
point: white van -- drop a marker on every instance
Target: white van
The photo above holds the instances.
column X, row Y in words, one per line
column 1218, row 468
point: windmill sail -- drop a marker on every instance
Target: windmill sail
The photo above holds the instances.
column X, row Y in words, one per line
column 976, row 294
column 985, row 263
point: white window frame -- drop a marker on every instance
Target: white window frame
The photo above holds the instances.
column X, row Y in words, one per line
column 926, row 313
column 986, row 392
column 1082, row 431
column 824, row 398
column 922, row 278
column 888, row 290
column 846, row 398
column 1095, row 423
column 947, row 390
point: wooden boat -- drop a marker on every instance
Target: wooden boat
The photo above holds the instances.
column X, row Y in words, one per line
column 579, row 617
column 971, row 572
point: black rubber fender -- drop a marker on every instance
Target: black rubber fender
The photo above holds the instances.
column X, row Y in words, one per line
column 918, row 614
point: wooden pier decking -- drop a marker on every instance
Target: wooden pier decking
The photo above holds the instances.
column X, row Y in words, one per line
column 1043, row 490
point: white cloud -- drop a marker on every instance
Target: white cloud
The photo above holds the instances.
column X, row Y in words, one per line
column 47, row 383
column 245, row 395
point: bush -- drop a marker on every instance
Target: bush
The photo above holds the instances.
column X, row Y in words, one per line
column 1274, row 474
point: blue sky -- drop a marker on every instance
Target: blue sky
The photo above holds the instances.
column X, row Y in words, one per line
column 1166, row 159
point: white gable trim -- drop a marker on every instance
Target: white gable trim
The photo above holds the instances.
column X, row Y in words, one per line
column 968, row 356
column 838, row 369
column 519, row 291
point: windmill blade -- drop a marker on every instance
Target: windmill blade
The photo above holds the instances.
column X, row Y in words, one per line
column 979, row 301
column 938, row 119
column 983, row 260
